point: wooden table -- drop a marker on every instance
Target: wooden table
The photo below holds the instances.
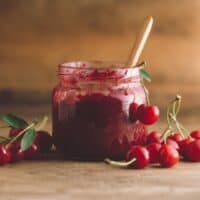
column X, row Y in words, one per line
column 64, row 180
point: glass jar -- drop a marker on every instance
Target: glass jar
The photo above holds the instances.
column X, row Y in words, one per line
column 90, row 107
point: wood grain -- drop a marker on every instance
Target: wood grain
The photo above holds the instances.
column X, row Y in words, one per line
column 83, row 180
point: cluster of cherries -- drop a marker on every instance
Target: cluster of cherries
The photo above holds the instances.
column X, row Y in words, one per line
column 165, row 149
column 12, row 152
column 167, row 153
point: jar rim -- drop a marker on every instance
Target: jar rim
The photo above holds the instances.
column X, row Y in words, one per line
column 97, row 71
column 96, row 65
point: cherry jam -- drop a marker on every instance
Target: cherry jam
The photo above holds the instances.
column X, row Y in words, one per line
column 90, row 110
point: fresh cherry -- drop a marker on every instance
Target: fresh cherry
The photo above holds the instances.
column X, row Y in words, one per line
column 153, row 150
column 195, row 134
column 4, row 155
column 183, row 144
column 16, row 154
column 132, row 112
column 176, row 137
column 173, row 143
column 193, row 151
column 44, row 141
column 147, row 114
column 141, row 156
column 32, row 152
column 14, row 131
column 153, row 137
column 168, row 156
column 137, row 157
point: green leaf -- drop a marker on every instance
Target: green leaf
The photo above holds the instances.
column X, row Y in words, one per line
column 28, row 139
column 145, row 75
column 14, row 121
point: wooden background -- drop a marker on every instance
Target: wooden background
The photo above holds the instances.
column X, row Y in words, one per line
column 37, row 35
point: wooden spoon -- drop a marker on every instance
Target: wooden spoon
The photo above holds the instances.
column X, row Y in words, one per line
column 139, row 43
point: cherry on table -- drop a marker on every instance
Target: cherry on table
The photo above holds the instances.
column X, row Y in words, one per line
column 141, row 156
column 4, row 155
column 176, row 137
column 132, row 112
column 195, row 134
column 153, row 137
column 137, row 157
column 173, row 143
column 44, row 141
column 148, row 114
column 183, row 144
column 153, row 150
column 193, row 151
column 16, row 154
column 32, row 152
column 168, row 156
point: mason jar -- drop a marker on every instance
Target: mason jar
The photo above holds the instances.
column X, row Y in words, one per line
column 90, row 110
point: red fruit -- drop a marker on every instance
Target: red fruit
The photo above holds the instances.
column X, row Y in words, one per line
column 153, row 149
column 193, row 151
column 176, row 137
column 147, row 114
column 44, row 141
column 183, row 144
column 14, row 131
column 168, row 156
column 132, row 112
column 141, row 155
column 32, row 152
column 153, row 137
column 137, row 157
column 195, row 134
column 173, row 143
column 16, row 154
column 4, row 155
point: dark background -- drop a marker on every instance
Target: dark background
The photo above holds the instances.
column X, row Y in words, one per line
column 37, row 35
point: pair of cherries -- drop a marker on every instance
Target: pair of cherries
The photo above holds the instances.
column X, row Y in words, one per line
column 42, row 144
column 147, row 114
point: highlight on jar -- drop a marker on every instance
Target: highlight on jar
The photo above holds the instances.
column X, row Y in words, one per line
column 101, row 112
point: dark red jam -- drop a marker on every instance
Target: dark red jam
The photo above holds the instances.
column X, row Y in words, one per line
column 91, row 110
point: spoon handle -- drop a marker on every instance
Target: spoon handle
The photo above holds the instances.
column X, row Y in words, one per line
column 139, row 43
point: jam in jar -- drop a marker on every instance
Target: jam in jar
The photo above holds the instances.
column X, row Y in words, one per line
column 90, row 107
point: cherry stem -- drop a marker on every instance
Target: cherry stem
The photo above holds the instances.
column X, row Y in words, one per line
column 42, row 123
column 20, row 134
column 172, row 112
column 165, row 134
column 146, row 95
column 4, row 138
column 118, row 163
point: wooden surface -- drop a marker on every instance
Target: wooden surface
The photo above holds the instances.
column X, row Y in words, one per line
column 58, row 179
column 62, row 180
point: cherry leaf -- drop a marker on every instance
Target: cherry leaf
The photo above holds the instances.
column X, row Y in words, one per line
column 28, row 139
column 14, row 121
column 145, row 75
